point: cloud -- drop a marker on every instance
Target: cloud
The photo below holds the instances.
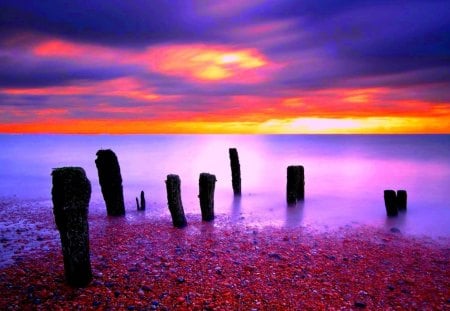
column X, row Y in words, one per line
column 229, row 61
column 117, row 23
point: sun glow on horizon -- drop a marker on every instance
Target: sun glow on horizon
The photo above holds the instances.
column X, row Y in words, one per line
column 314, row 125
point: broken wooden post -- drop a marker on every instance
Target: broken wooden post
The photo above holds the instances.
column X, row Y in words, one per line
column 174, row 201
column 206, row 194
column 71, row 193
column 141, row 207
column 390, row 201
column 110, row 181
column 295, row 187
column 142, row 201
column 401, row 200
column 235, row 171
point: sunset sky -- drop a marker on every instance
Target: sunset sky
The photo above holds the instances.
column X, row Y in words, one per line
column 247, row 66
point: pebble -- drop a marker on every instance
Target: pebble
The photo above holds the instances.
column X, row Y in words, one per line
column 146, row 288
column 395, row 230
column 37, row 301
column 275, row 256
column 180, row 299
column 180, row 279
column 360, row 304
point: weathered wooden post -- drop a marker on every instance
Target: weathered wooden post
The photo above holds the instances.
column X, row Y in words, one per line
column 142, row 200
column 235, row 171
column 110, row 181
column 401, row 200
column 390, row 201
column 295, row 187
column 174, row 201
column 71, row 193
column 141, row 207
column 206, row 194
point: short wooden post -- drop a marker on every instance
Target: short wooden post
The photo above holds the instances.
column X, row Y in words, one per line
column 71, row 193
column 235, row 171
column 401, row 200
column 295, row 187
column 206, row 194
column 141, row 207
column 174, row 201
column 110, row 181
column 390, row 201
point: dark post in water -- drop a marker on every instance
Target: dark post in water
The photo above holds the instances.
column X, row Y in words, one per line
column 295, row 188
column 401, row 200
column 111, row 182
column 207, row 184
column 141, row 207
column 71, row 193
column 390, row 201
column 235, row 171
column 174, row 201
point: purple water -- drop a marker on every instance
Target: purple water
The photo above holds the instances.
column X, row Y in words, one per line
column 345, row 175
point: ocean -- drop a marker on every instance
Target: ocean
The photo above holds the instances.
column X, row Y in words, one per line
column 345, row 175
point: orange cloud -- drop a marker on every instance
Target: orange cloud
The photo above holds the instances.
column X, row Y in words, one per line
column 200, row 62
column 207, row 62
column 121, row 87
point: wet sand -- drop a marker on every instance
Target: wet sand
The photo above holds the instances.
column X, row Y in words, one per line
column 142, row 263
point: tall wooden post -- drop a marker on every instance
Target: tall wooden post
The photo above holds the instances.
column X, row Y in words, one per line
column 206, row 194
column 401, row 200
column 142, row 200
column 71, row 193
column 390, row 201
column 295, row 186
column 235, row 171
column 174, row 201
column 110, row 181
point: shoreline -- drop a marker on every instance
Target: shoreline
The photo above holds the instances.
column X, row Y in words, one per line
column 145, row 264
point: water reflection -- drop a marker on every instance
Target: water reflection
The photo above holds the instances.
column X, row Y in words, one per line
column 236, row 208
column 397, row 221
column 294, row 214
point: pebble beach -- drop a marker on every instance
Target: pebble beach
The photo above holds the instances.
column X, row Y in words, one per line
column 142, row 263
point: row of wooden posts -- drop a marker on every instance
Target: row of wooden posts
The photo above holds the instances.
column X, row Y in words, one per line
column 71, row 194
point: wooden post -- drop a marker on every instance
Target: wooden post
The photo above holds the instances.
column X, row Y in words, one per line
column 141, row 207
column 401, row 200
column 206, row 194
column 295, row 187
column 142, row 201
column 71, row 193
column 111, row 182
column 174, row 201
column 390, row 201
column 235, row 171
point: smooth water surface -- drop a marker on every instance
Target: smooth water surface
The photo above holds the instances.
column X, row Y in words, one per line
column 345, row 175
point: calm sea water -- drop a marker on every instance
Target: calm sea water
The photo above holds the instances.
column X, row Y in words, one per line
column 345, row 175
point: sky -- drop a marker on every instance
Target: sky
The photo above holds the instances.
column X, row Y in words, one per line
column 230, row 66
